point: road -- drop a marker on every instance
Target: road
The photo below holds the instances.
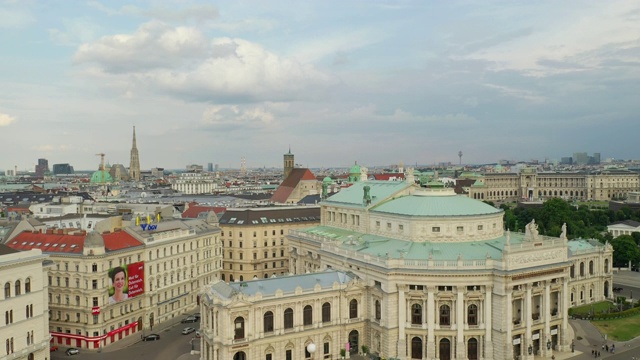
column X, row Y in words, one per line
column 171, row 346
column 629, row 281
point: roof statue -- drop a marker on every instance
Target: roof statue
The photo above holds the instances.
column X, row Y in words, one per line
column 366, row 199
column 563, row 235
column 531, row 230
column 410, row 176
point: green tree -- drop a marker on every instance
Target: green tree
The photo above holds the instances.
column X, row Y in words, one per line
column 625, row 250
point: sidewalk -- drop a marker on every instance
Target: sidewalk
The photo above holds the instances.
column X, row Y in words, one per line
column 591, row 339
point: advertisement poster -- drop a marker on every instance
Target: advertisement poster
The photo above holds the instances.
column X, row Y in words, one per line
column 125, row 282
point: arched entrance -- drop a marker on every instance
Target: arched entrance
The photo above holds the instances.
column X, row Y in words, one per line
column 445, row 349
column 353, row 342
column 240, row 356
column 140, row 323
column 472, row 349
column 606, row 289
column 416, row 348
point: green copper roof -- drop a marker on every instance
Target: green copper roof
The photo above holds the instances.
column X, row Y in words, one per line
column 355, row 170
column 100, row 177
column 379, row 190
column 426, row 205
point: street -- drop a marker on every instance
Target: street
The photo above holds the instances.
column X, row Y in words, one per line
column 171, row 346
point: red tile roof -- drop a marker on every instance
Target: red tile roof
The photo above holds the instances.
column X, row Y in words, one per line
column 194, row 210
column 70, row 244
column 285, row 189
column 389, row 176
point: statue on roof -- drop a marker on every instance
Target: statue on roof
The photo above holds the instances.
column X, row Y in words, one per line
column 563, row 235
column 531, row 230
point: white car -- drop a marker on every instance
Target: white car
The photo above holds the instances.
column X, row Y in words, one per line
column 188, row 330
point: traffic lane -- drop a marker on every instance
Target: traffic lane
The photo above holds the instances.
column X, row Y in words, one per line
column 171, row 345
column 630, row 278
column 627, row 290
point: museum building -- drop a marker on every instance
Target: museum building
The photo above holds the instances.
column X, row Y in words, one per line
column 410, row 273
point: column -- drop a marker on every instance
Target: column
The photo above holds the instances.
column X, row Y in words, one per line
column 402, row 322
column 509, row 322
column 460, row 317
column 527, row 313
column 488, row 324
column 547, row 319
column 431, row 322
column 564, row 343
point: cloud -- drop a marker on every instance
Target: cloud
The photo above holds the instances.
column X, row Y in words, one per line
column 75, row 31
column 183, row 62
column 6, row 120
column 237, row 117
column 194, row 13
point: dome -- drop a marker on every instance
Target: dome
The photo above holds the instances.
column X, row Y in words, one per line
column 327, row 180
column 101, row 177
column 93, row 240
column 355, row 169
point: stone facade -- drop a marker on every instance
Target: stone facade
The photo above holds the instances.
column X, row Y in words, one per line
column 23, row 303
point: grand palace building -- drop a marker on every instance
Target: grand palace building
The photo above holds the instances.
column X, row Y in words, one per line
column 410, row 273
column 533, row 185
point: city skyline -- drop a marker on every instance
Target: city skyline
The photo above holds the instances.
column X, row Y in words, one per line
column 337, row 82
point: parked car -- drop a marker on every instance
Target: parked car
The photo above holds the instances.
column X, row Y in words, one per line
column 72, row 351
column 188, row 330
column 53, row 348
column 151, row 337
column 197, row 315
column 190, row 319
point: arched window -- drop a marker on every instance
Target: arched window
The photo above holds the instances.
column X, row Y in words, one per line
column 472, row 314
column 7, row 290
column 472, row 349
column 572, row 271
column 239, row 328
column 353, row 309
column 444, row 349
column 27, row 286
column 591, row 267
column 416, row 314
column 307, row 315
column 268, row 321
column 581, row 268
column 445, row 315
column 606, row 265
column 416, row 348
column 326, row 312
column 288, row 318
column 378, row 310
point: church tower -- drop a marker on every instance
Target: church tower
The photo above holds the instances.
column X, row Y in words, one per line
column 288, row 163
column 134, row 165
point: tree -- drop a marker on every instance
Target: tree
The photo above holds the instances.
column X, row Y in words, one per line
column 625, row 250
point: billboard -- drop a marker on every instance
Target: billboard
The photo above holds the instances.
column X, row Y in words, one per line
column 126, row 282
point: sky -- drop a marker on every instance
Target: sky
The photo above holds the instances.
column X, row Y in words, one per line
column 377, row 82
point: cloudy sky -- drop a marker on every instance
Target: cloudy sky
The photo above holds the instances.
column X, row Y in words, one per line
column 378, row 82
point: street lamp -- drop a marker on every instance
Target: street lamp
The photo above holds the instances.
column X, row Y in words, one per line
column 549, row 344
column 311, row 348
column 530, row 349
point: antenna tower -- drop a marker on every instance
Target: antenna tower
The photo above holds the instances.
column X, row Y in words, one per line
column 460, row 156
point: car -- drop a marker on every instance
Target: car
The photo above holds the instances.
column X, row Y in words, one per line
column 151, row 337
column 188, row 330
column 196, row 315
column 53, row 348
column 72, row 351
column 190, row 319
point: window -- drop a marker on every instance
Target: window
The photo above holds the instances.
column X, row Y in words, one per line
column 288, row 318
column 94, row 284
column 238, row 325
column 460, row 229
column 353, row 309
column 94, row 267
column 591, row 267
column 288, row 354
column 472, row 314
column 445, row 315
column 326, row 312
column 27, row 286
column 572, row 271
column 479, row 227
column 307, row 315
column 17, row 286
column 416, row 314
column 268, row 321
column 326, row 348
column 435, row 229
column 378, row 310
column 7, row 290
column 400, row 227
column 581, row 268
column 95, row 301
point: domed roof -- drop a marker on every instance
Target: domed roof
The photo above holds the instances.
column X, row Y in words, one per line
column 93, row 240
column 101, row 177
column 355, row 169
column 327, row 180
column 436, row 203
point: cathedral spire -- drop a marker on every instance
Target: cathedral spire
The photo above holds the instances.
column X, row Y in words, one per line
column 134, row 165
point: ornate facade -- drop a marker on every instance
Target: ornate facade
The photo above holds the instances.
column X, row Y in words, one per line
column 442, row 280
column 532, row 185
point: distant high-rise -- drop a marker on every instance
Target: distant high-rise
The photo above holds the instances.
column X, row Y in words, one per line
column 134, row 166
column 42, row 167
column 62, row 169
column 580, row 158
column 288, row 163
column 210, row 167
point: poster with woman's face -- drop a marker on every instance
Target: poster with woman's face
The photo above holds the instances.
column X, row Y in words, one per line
column 125, row 282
